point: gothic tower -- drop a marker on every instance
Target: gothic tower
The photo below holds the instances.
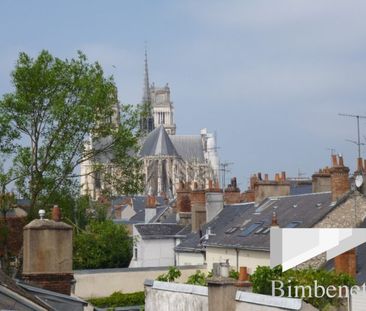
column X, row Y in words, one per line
column 146, row 118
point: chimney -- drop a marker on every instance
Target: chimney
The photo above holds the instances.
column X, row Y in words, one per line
column 221, row 293
column 266, row 177
column 210, row 184
column 232, row 193
column 260, row 176
column 56, row 213
column 47, row 254
column 268, row 188
column 277, row 177
column 321, row 181
column 214, row 204
column 150, row 208
column 183, row 198
column 346, row 263
column 283, row 176
column 339, row 178
column 274, row 222
column 360, row 167
column 334, row 160
column 198, row 206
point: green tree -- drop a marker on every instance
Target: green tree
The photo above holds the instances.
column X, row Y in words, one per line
column 102, row 245
column 55, row 106
column 263, row 276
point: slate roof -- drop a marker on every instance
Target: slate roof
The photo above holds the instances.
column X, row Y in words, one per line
column 11, row 285
column 189, row 147
column 158, row 143
column 59, row 302
column 158, row 230
column 307, row 209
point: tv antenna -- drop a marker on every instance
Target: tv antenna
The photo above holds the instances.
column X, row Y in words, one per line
column 224, row 169
column 358, row 117
column 332, row 151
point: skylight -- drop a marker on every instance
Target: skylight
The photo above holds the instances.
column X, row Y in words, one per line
column 247, row 231
column 293, row 224
column 231, row 230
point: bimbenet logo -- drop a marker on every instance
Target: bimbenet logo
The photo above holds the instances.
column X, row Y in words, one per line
column 292, row 247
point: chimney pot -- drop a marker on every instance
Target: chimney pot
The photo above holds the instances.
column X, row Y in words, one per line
column 277, row 177
column 274, row 220
column 334, row 160
column 233, row 182
column 283, row 176
column 340, row 159
column 260, row 176
column 56, row 213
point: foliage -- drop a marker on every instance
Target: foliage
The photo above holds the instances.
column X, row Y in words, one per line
column 57, row 105
column 199, row 278
column 118, row 299
column 263, row 276
column 172, row 274
column 7, row 201
column 234, row 274
column 102, row 245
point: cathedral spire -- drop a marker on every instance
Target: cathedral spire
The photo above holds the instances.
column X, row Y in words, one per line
column 146, row 92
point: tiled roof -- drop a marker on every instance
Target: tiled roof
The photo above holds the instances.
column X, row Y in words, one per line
column 230, row 226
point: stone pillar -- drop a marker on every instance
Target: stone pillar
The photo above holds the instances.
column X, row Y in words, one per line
column 221, row 294
column 47, row 252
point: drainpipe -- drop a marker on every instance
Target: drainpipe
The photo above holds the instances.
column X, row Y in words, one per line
column 237, row 259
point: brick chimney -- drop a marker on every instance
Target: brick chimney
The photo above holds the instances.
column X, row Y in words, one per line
column 346, row 263
column 150, row 208
column 232, row 193
column 47, row 252
column 339, row 178
column 268, row 188
column 321, row 180
column 198, row 206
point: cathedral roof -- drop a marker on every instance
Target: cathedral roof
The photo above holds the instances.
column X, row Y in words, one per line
column 189, row 147
column 158, row 143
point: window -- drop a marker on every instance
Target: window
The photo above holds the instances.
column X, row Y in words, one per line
column 247, row 231
column 135, row 253
column 260, row 230
column 266, row 230
column 231, row 230
column 293, row 224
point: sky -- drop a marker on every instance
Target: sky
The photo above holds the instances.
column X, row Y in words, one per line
column 268, row 77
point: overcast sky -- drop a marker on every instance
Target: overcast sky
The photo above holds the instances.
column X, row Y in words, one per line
column 269, row 77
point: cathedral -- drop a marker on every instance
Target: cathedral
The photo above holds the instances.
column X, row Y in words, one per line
column 167, row 158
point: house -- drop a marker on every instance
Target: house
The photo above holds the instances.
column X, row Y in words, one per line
column 240, row 232
column 154, row 244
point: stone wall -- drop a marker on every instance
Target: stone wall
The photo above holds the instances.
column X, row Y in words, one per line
column 104, row 282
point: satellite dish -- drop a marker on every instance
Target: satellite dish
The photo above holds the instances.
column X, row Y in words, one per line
column 359, row 181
